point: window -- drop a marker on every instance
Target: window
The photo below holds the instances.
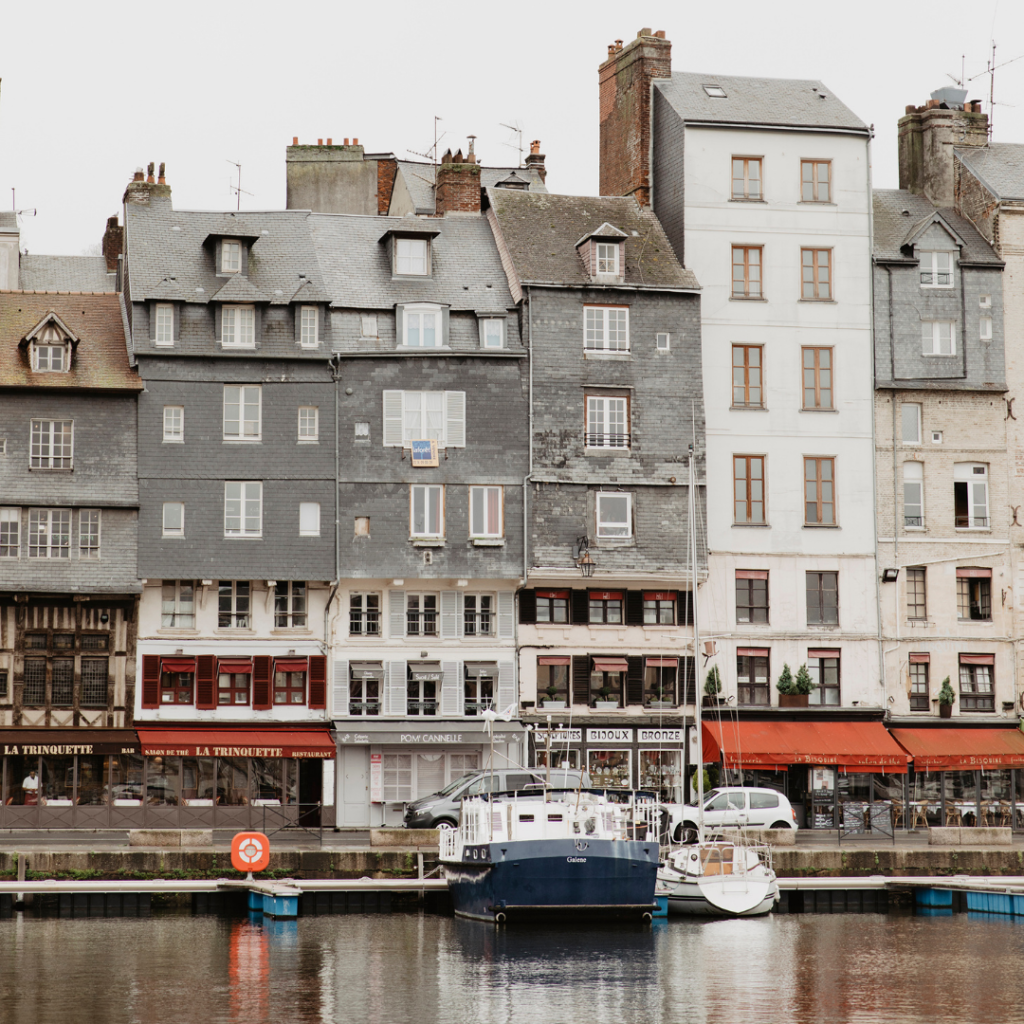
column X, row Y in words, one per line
column 977, row 692
column 174, row 423
column 751, row 596
column 816, row 273
column 552, row 605
column 919, row 693
column 554, row 677
column 715, row 91
column 822, row 599
column 747, row 361
column 230, row 257
column 397, row 777
column 361, row 431
column 425, row 415
column 421, row 327
column 308, row 322
column 917, row 607
column 606, row 606
column 233, row 605
column 970, row 496
column 63, row 683
column 663, row 340
column 176, row 687
column 485, row 512
column 816, row 181
column 51, row 445
column 817, row 378
column 10, row 532
column 173, row 519
column 309, row 423
column 232, row 687
column 309, row 518
column 426, row 503
column 238, row 327
column 49, row 533
column 364, row 688
column 974, row 594
column 479, row 688
column 242, row 413
column 752, row 676
column 164, row 332
column 364, row 614
column 35, row 681
column 368, row 326
column 412, row 256
column 936, row 269
column 913, row 495
column 243, row 509
column 607, row 257
column 938, row 338
column 614, row 515
column 985, row 324
column 492, row 332
column 421, row 614
column 936, row 437
column 94, row 682
column 819, row 492
column 289, row 685
column 748, row 489
column 421, row 690
column 607, row 422
column 177, row 608
column 824, row 669
column 88, row 533
column 606, row 328
column 746, row 272
column 50, row 358
column 746, row 177
column 478, row 615
column 985, row 301
column 911, row 421
column 660, row 677
column 659, row 608
column 361, row 526
column 290, row 605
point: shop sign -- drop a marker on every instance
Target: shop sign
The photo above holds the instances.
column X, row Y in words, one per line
column 609, row 735
column 661, row 735
column 431, row 737
column 48, row 749
column 560, row 736
column 376, row 778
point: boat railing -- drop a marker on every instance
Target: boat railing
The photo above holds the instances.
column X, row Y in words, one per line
column 450, row 843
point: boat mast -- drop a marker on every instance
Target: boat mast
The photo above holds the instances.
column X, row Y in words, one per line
column 692, row 525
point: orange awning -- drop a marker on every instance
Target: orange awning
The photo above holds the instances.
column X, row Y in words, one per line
column 946, row 747
column 181, row 741
column 854, row 746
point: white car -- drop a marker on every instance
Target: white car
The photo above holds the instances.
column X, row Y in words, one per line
column 732, row 807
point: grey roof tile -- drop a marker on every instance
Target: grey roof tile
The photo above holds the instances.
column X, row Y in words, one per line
column 65, row 274
column 999, row 166
column 900, row 214
column 770, row 101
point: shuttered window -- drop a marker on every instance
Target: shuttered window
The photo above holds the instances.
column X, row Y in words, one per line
column 424, row 415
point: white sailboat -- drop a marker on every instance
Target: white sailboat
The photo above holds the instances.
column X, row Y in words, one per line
column 716, row 876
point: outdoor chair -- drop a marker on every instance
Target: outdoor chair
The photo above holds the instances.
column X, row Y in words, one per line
column 953, row 815
column 920, row 814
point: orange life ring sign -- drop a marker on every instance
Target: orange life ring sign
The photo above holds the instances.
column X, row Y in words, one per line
column 250, row 851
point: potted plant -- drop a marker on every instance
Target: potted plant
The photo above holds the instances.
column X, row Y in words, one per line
column 789, row 696
column 552, row 702
column 604, row 704
column 712, row 687
column 946, row 698
column 658, row 700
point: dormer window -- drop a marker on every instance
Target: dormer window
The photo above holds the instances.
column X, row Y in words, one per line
column 51, row 352
column 422, row 326
column 936, row 269
column 412, row 257
column 230, row 256
column 607, row 257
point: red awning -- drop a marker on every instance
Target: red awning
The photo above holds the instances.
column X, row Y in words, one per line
column 235, row 665
column 662, row 662
column 553, row 659
column 178, row 664
column 290, row 665
column 944, row 747
column 854, row 746
column 184, row 742
column 611, row 665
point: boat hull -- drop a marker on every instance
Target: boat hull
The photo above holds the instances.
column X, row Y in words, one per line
column 710, row 898
column 518, row 879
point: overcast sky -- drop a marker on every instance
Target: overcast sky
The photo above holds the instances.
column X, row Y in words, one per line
column 92, row 90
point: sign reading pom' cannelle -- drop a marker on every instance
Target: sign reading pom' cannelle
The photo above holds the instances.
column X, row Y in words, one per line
column 67, row 742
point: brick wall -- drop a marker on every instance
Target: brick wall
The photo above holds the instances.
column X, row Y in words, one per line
column 386, row 171
column 457, row 188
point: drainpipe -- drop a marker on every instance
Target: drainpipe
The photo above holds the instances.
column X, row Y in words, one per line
column 529, row 441
column 334, row 366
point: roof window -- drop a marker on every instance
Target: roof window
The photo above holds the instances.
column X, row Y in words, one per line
column 715, row 91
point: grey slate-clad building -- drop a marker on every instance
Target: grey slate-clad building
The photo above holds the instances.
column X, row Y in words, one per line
column 612, row 320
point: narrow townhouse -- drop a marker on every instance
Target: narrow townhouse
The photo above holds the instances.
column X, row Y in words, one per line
column 612, row 321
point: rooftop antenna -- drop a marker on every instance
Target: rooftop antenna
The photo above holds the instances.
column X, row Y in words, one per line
column 518, row 129
column 990, row 70
column 431, row 153
column 21, row 213
column 237, row 189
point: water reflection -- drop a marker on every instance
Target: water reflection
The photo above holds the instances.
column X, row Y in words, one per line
column 389, row 969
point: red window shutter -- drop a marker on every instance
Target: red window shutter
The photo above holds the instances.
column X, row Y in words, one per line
column 206, row 681
column 262, row 698
column 318, row 681
column 151, row 681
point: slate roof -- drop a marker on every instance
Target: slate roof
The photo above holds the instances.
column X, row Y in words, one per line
column 65, row 274
column 999, row 166
column 899, row 216
column 541, row 232
column 100, row 358
column 790, row 102
column 419, row 179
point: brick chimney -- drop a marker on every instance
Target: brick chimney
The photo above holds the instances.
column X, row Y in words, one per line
column 457, row 186
column 142, row 189
column 625, row 84
column 535, row 161
column 927, row 136
column 113, row 239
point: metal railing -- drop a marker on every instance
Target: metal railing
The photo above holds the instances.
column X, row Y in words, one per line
column 606, row 440
column 967, row 522
column 298, row 817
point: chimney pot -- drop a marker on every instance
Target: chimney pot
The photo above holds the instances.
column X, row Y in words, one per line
column 330, row 142
column 319, row 142
column 611, row 49
column 618, row 44
column 535, row 146
column 660, row 34
column 295, row 140
column 162, row 177
column 149, row 173
column 139, row 176
column 355, row 142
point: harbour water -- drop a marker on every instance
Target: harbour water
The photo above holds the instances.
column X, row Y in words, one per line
column 398, row 968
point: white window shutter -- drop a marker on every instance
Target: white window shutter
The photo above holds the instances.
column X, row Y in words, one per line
column 396, row 613
column 506, row 615
column 449, row 614
column 396, row 690
column 451, row 689
column 393, row 419
column 507, row 695
column 455, row 419
column 460, row 613
column 340, row 689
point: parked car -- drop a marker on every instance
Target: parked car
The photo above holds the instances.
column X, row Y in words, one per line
column 732, row 807
column 441, row 810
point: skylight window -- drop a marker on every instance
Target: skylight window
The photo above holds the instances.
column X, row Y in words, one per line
column 715, row 91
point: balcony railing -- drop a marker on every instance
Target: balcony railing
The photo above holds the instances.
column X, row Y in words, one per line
column 971, row 522
column 913, row 520
column 422, row 707
column 364, row 707
column 607, row 440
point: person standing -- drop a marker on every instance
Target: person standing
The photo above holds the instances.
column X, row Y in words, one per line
column 30, row 787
